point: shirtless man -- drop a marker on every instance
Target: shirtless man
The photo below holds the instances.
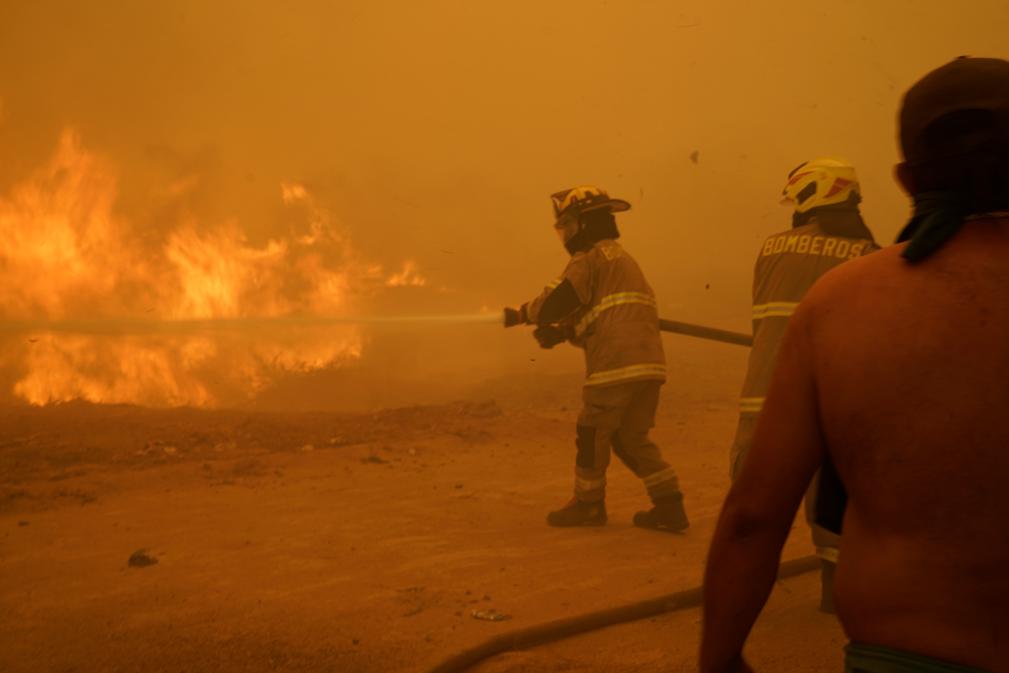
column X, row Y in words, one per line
column 910, row 409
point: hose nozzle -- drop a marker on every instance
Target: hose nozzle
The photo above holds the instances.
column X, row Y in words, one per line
column 512, row 317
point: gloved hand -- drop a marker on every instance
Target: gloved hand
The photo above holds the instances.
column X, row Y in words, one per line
column 548, row 336
column 515, row 316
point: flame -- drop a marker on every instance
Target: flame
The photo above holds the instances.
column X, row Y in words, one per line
column 409, row 276
column 60, row 247
column 220, row 274
column 122, row 370
column 66, row 255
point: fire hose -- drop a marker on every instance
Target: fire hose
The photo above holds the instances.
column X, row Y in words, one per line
column 514, row 317
column 541, row 634
column 703, row 332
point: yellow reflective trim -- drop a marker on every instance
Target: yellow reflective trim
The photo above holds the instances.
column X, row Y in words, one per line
column 608, row 302
column 751, row 405
column 623, row 373
column 774, row 309
column 667, row 474
column 832, row 554
column 554, row 284
column 585, row 485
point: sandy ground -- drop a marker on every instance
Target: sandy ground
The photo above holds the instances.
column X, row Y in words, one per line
column 338, row 542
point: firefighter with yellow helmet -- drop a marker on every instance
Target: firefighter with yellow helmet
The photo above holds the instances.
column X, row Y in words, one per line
column 827, row 229
column 603, row 304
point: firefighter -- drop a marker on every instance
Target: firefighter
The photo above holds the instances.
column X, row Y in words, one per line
column 827, row 229
column 603, row 304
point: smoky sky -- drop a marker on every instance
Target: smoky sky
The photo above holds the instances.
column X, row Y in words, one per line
column 436, row 130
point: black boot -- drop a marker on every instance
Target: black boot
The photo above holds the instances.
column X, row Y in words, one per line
column 666, row 514
column 577, row 513
column 827, row 586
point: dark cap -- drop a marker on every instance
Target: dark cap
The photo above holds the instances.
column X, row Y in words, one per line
column 964, row 84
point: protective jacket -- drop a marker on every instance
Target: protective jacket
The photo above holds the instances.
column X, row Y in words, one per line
column 788, row 265
column 608, row 308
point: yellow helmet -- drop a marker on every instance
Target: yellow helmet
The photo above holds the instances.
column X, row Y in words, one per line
column 820, row 182
column 583, row 199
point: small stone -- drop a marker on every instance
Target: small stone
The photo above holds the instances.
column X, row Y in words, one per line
column 141, row 559
column 170, row 450
column 378, row 460
column 458, row 485
column 22, row 524
column 490, row 615
column 307, row 448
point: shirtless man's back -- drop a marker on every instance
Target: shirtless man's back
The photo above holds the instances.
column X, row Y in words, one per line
column 896, row 367
column 923, row 449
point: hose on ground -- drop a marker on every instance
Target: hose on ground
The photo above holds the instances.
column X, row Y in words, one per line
column 540, row 634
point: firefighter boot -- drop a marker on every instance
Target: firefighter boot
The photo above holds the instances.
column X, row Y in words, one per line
column 666, row 514
column 827, row 586
column 577, row 513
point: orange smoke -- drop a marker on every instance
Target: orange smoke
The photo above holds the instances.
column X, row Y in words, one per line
column 66, row 255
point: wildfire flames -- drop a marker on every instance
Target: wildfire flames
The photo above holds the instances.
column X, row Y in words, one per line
column 66, row 255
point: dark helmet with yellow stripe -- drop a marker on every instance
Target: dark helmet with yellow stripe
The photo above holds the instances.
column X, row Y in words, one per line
column 578, row 200
column 584, row 216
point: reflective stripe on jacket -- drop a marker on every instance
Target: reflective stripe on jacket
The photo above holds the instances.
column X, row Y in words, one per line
column 788, row 265
column 618, row 322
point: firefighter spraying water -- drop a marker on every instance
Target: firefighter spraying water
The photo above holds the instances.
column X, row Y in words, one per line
column 603, row 304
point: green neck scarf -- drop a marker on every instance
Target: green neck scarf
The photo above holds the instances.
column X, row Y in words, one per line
column 937, row 217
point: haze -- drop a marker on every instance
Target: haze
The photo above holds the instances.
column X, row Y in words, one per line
column 257, row 407
column 434, row 132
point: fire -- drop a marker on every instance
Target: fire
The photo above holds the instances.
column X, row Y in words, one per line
column 65, row 255
column 121, row 369
column 409, row 276
column 59, row 244
column 219, row 274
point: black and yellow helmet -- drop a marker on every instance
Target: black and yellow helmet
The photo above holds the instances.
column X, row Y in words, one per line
column 583, row 199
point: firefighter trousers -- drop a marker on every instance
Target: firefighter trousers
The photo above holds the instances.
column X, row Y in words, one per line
column 619, row 417
column 825, row 541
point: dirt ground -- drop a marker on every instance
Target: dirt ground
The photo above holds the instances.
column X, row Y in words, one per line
column 360, row 542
